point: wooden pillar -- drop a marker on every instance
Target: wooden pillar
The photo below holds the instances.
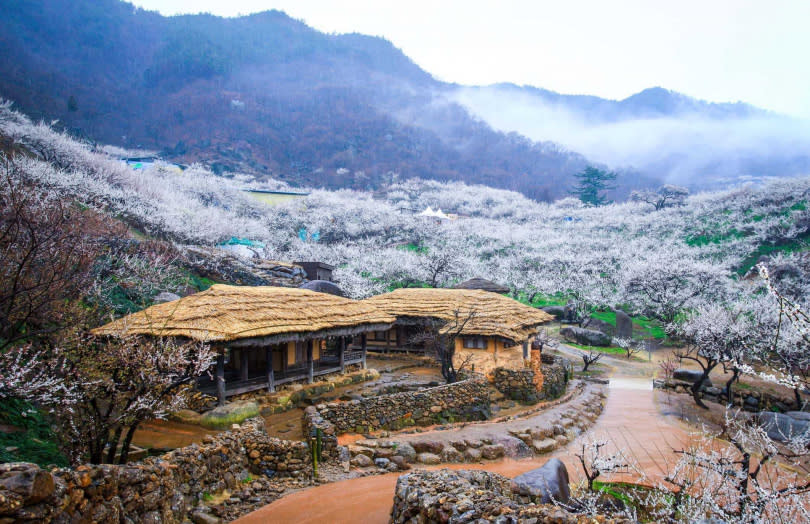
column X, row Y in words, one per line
column 221, row 377
column 525, row 349
column 310, row 363
column 243, row 364
column 342, row 350
column 271, row 377
column 363, row 348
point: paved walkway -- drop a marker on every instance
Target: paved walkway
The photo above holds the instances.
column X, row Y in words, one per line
column 632, row 419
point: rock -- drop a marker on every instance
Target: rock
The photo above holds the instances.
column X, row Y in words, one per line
column 165, row 296
column 492, row 451
column 624, row 324
column 400, row 462
column 428, row 458
column 201, row 517
column 185, row 416
column 781, row 427
column 544, row 446
column 472, row 454
column 28, row 481
column 713, row 391
column 362, row 461
column 381, row 462
column 514, row 447
column 451, row 454
column 406, row 451
column 691, row 376
column 545, row 485
column 222, row 417
column 799, row 415
column 587, row 337
column 558, row 312
column 428, row 446
column 751, row 401
column 596, row 324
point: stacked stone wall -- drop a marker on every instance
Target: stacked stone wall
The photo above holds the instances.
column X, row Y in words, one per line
column 555, row 376
column 466, row 400
column 517, row 384
column 159, row 489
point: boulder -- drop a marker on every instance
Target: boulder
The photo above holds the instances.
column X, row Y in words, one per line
column 362, row 461
column 586, row 337
column 598, row 325
column 624, row 325
column 472, row 454
column 799, row 415
column 691, row 376
column 493, row 451
column 544, row 446
column 451, row 454
column 781, row 427
column 428, row 446
column 223, row 417
column 406, row 451
column 428, row 458
column 545, row 485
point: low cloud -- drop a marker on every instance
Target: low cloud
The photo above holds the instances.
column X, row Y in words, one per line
column 689, row 149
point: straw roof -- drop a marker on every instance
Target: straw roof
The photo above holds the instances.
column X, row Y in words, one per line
column 272, row 314
column 494, row 315
column 482, row 284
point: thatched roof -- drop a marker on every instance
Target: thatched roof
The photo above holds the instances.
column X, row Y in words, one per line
column 482, row 284
column 323, row 286
column 263, row 314
column 494, row 315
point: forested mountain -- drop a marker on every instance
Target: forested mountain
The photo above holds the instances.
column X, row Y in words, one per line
column 267, row 95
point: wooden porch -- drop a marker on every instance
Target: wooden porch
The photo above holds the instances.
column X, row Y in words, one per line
column 228, row 380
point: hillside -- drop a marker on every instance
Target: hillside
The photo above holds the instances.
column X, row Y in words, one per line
column 263, row 94
column 266, row 94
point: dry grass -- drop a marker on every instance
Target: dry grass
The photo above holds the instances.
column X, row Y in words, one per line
column 226, row 313
column 494, row 314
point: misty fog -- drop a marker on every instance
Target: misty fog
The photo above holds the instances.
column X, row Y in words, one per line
column 689, row 149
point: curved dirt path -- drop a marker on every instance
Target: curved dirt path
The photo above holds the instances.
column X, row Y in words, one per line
column 632, row 419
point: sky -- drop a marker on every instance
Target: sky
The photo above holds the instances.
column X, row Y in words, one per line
column 717, row 50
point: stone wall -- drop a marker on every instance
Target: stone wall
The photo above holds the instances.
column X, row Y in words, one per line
column 555, row 376
column 159, row 489
column 313, row 421
column 472, row 496
column 517, row 384
column 466, row 400
column 749, row 400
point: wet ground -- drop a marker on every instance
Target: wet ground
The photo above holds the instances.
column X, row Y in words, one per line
column 395, row 375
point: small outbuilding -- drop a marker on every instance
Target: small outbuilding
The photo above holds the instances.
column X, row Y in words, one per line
column 323, row 286
column 265, row 336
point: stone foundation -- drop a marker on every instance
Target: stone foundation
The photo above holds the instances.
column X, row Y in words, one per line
column 160, row 489
column 519, row 385
column 466, row 400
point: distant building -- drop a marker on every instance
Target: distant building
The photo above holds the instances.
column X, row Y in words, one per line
column 274, row 198
column 317, row 270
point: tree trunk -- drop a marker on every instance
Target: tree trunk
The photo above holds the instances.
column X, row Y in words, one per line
column 698, row 384
column 114, row 445
column 127, row 441
column 735, row 376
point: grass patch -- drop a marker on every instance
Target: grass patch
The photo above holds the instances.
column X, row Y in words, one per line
column 653, row 328
column 611, row 350
column 35, row 443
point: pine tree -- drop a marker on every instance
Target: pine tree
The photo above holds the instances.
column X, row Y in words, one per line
column 590, row 182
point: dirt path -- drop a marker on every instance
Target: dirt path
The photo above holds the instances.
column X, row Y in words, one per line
column 632, row 419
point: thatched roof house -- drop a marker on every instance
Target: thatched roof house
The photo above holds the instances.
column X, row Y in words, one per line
column 494, row 315
column 265, row 336
column 273, row 314
column 482, row 284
